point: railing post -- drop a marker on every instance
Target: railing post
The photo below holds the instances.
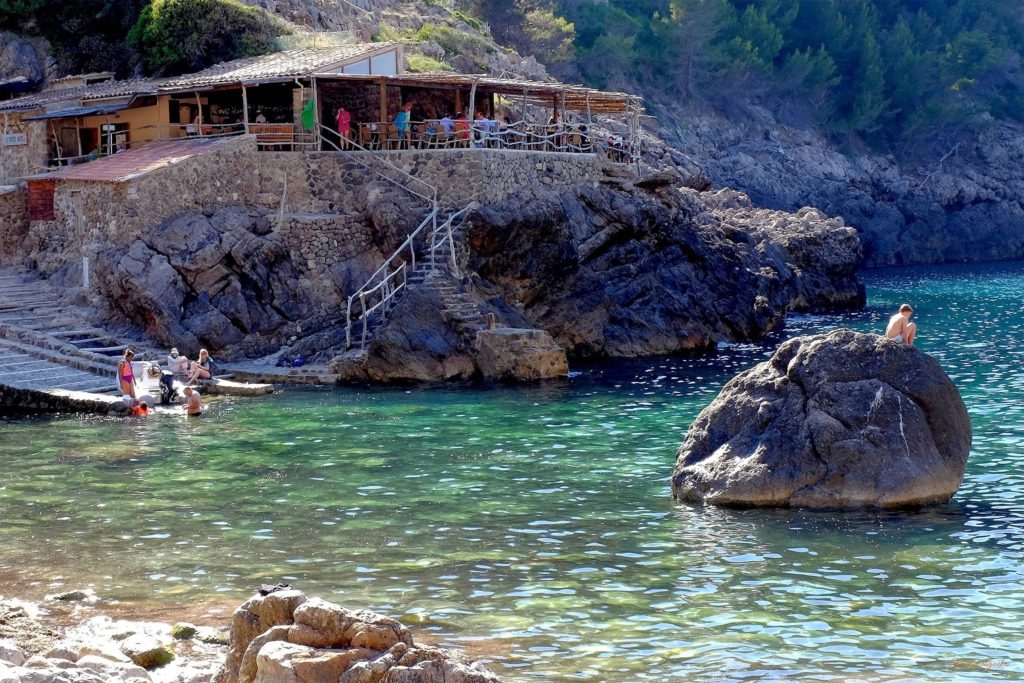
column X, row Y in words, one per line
column 362, row 305
column 451, row 248
column 348, row 325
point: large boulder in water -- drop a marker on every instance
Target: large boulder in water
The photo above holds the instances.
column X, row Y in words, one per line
column 833, row 420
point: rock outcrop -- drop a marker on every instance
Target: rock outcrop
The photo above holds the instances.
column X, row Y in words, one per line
column 962, row 202
column 624, row 269
column 284, row 637
column 205, row 280
column 835, row 420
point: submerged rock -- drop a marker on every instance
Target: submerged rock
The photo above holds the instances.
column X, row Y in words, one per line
column 834, row 420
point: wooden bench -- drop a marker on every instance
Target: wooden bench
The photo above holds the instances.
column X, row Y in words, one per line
column 273, row 133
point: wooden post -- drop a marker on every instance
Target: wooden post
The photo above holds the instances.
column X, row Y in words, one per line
column 472, row 101
column 199, row 106
column 78, row 134
column 383, row 105
column 245, row 109
column 554, row 108
column 316, row 114
column 494, row 113
column 458, row 100
column 590, row 119
column 525, row 94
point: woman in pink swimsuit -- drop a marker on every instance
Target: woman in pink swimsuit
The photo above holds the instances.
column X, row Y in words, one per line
column 125, row 374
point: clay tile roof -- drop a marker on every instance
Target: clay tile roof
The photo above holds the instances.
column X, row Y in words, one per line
column 119, row 168
column 88, row 76
column 278, row 65
column 39, row 100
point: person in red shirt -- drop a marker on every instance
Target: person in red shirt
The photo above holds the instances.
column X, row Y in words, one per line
column 462, row 129
column 344, row 119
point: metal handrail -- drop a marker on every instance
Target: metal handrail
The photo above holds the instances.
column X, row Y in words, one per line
column 371, row 286
column 326, row 134
column 445, row 232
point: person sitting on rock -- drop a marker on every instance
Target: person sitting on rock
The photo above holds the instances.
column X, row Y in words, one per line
column 177, row 364
column 193, row 406
column 900, row 327
column 200, row 368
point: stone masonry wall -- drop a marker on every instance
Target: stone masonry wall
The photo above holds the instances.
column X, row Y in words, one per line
column 13, row 223
column 336, row 182
column 18, row 161
column 325, row 198
column 118, row 213
column 317, row 242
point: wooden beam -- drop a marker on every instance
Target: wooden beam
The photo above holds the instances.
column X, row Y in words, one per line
column 383, row 104
column 245, row 109
column 458, row 101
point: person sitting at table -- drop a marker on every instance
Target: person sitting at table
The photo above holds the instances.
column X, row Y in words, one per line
column 462, row 130
column 260, row 118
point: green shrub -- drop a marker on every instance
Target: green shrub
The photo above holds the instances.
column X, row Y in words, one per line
column 178, row 36
column 451, row 41
column 421, row 64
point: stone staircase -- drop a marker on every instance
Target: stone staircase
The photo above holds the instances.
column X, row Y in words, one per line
column 48, row 343
column 434, row 270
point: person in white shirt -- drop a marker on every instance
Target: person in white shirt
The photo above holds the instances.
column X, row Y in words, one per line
column 177, row 363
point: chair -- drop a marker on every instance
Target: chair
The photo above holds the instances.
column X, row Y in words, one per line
column 365, row 136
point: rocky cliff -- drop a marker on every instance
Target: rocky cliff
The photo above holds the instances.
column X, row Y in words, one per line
column 966, row 204
column 624, row 269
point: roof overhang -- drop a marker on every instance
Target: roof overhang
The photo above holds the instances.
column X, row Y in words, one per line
column 77, row 112
column 570, row 97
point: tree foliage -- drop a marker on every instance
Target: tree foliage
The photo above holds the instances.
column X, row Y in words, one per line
column 176, row 36
column 879, row 68
column 125, row 35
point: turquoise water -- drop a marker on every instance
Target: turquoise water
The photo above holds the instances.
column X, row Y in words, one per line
column 534, row 527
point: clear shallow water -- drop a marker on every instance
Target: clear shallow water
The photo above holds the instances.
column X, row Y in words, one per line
column 535, row 527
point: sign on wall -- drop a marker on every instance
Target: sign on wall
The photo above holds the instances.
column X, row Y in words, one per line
column 14, row 139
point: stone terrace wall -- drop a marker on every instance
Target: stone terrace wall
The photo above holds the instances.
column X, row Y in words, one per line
column 235, row 173
column 336, row 182
column 115, row 213
column 13, row 223
column 317, row 242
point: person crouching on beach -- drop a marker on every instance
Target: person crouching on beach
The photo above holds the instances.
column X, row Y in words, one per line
column 900, row 327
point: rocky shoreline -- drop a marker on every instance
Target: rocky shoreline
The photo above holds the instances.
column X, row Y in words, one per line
column 277, row 637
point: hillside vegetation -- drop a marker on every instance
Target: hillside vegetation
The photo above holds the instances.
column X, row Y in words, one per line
column 883, row 69
column 143, row 36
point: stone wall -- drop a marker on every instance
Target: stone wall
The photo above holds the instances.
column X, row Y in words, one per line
column 57, row 401
column 338, row 182
column 325, row 195
column 116, row 213
column 13, row 223
column 18, row 161
column 318, row 241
